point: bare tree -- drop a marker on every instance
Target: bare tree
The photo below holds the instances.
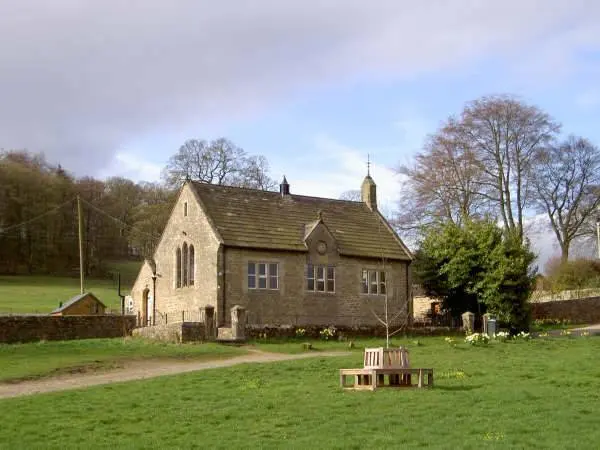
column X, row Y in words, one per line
column 478, row 163
column 218, row 162
column 505, row 136
column 441, row 184
column 353, row 195
column 254, row 173
column 566, row 181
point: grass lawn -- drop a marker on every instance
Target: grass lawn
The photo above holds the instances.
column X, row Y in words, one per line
column 22, row 361
column 531, row 394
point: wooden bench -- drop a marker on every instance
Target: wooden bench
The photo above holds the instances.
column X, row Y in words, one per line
column 384, row 367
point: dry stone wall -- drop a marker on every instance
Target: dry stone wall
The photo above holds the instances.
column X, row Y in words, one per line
column 583, row 310
column 174, row 332
column 57, row 328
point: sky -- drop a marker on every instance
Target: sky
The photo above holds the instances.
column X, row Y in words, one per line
column 114, row 88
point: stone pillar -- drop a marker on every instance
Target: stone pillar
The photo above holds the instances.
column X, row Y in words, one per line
column 238, row 323
column 209, row 322
column 468, row 319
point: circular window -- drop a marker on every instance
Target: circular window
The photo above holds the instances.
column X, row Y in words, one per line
column 321, row 247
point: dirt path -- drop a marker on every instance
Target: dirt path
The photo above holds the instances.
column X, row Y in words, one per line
column 145, row 369
column 592, row 329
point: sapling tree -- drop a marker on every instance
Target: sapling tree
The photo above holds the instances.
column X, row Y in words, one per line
column 381, row 282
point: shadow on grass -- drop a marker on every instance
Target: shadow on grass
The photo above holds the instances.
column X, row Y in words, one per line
column 470, row 387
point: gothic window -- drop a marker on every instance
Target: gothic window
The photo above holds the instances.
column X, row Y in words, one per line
column 192, row 266
column 178, row 268
column 185, row 261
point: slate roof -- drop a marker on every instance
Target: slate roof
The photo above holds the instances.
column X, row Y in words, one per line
column 74, row 300
column 259, row 219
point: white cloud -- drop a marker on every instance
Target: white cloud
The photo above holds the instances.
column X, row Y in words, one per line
column 132, row 166
column 80, row 79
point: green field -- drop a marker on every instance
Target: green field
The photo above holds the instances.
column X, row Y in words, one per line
column 42, row 294
column 34, row 360
column 39, row 294
column 531, row 394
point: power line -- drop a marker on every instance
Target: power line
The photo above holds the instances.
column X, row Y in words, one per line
column 119, row 221
column 91, row 205
column 12, row 227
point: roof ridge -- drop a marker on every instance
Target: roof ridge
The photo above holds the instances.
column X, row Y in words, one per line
column 226, row 186
column 262, row 191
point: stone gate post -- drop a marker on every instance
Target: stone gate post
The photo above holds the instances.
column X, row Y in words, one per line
column 209, row 322
column 238, row 322
column 468, row 319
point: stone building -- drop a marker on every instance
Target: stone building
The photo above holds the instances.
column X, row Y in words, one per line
column 288, row 259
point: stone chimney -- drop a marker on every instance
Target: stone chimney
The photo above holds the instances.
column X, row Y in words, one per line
column 284, row 187
column 368, row 193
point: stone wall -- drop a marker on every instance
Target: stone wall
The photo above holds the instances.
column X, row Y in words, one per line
column 583, row 310
column 292, row 304
column 174, row 332
column 55, row 328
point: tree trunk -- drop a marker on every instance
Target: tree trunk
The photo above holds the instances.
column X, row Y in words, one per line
column 564, row 248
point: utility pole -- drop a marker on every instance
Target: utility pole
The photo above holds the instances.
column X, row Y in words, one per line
column 598, row 235
column 80, row 220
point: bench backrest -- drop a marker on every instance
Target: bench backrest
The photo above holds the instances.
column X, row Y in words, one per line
column 386, row 358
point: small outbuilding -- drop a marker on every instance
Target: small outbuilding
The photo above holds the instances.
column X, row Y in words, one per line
column 86, row 304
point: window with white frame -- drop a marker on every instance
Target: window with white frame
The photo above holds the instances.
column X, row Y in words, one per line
column 320, row 278
column 263, row 275
column 373, row 282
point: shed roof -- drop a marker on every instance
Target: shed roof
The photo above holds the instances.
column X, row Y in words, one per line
column 76, row 299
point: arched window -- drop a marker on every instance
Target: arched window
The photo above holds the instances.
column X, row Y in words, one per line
column 185, row 260
column 192, row 266
column 178, row 268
